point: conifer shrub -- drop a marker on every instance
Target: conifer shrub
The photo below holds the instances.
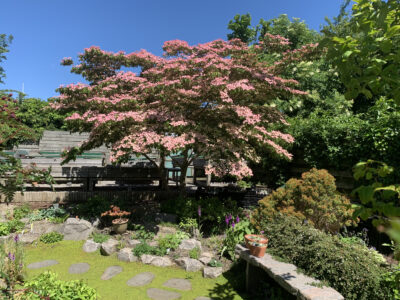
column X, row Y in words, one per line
column 313, row 198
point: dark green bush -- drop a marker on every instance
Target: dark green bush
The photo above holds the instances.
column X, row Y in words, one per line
column 352, row 270
column 51, row 237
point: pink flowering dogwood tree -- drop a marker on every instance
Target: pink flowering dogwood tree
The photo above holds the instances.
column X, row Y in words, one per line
column 210, row 100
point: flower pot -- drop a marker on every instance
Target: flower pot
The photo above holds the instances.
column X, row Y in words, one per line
column 120, row 225
column 257, row 251
column 258, row 238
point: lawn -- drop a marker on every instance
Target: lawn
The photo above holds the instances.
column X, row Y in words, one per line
column 70, row 252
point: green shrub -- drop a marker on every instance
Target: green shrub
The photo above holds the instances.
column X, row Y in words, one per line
column 11, row 226
column 313, row 198
column 100, row 238
column 48, row 286
column 215, row 263
column 172, row 241
column 235, row 235
column 53, row 214
column 352, row 270
column 144, row 248
column 51, row 237
column 194, row 253
column 21, row 212
column 141, row 233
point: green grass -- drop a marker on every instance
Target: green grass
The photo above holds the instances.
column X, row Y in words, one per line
column 69, row 252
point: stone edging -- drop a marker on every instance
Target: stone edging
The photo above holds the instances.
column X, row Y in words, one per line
column 286, row 275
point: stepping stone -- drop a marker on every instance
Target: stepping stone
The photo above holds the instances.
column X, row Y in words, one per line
column 110, row 272
column 179, row 284
column 79, row 268
column 141, row 279
column 42, row 264
column 158, row 294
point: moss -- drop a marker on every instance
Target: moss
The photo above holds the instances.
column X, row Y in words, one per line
column 69, row 252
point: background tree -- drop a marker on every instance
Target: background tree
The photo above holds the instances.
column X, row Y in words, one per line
column 4, row 44
column 241, row 29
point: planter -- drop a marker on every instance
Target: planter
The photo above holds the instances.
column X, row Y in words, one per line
column 255, row 238
column 256, row 249
column 120, row 225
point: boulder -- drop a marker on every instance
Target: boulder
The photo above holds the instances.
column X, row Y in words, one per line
column 126, row 255
column 132, row 243
column 205, row 259
column 76, row 229
column 109, row 247
column 190, row 244
column 44, row 226
column 90, row 246
column 164, row 230
column 157, row 261
column 212, row 272
column 190, row 264
column 28, row 238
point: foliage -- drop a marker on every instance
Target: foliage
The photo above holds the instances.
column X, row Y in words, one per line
column 173, row 240
column 115, row 211
column 213, row 210
column 51, row 237
column 91, row 208
column 100, row 238
column 11, row 226
column 144, row 248
column 240, row 26
column 48, row 285
column 4, row 44
column 194, row 253
column 11, row 263
column 235, row 235
column 140, row 233
column 353, row 271
column 188, row 225
column 54, row 213
column 313, row 198
column 215, row 263
column 367, row 58
column 393, row 280
column 21, row 212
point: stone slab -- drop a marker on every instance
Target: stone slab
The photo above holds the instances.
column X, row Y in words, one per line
column 42, row 264
column 78, row 268
column 178, row 284
column 158, row 294
column 110, row 272
column 141, row 279
column 286, row 275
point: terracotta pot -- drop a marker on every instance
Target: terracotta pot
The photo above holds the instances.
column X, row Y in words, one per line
column 257, row 251
column 259, row 238
column 120, row 225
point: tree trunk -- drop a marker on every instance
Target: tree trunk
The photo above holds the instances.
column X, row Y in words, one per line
column 182, row 178
column 163, row 174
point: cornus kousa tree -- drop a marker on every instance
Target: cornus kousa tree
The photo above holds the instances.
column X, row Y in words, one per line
column 210, row 100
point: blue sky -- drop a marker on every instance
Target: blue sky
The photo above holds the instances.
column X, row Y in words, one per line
column 45, row 31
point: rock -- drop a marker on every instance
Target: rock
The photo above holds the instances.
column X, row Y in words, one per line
column 212, row 272
column 207, row 254
column 109, row 247
column 141, row 279
column 203, row 298
column 28, row 238
column 90, row 246
column 190, row 264
column 44, row 226
column 110, row 272
column 178, row 284
column 158, row 294
column 164, row 230
column 132, row 243
column 25, row 220
column 42, row 264
column 189, row 244
column 78, row 268
column 3, row 284
column 157, row 261
column 96, row 222
column 153, row 243
column 205, row 259
column 164, row 217
column 76, row 229
column 126, row 255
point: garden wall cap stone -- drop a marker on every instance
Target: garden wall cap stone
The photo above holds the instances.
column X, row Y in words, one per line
column 126, row 255
column 90, row 246
column 179, row 284
column 79, row 268
column 158, row 294
column 76, row 229
column 109, row 247
column 110, row 272
column 190, row 244
column 42, row 264
column 141, row 279
column 190, row 264
column 212, row 272
column 286, row 275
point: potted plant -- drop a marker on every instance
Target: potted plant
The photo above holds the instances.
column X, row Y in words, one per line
column 120, row 224
column 257, row 238
column 257, row 249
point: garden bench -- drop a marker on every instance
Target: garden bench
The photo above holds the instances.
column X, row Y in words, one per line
column 299, row 285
